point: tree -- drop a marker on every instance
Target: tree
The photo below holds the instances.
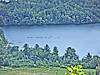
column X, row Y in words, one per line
column 26, row 50
column 87, row 60
column 26, row 46
column 70, row 57
column 98, row 70
column 2, row 54
column 1, row 61
column 89, row 56
column 14, row 49
column 95, row 62
column 3, row 41
column 3, row 57
column 1, row 20
column 55, row 51
column 47, row 49
column 36, row 46
column 55, row 57
column 91, row 62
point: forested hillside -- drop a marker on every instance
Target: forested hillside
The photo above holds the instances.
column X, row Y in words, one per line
column 30, row 12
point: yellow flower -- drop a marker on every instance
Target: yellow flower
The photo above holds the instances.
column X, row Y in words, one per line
column 75, row 70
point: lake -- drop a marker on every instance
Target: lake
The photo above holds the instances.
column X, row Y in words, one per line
column 84, row 38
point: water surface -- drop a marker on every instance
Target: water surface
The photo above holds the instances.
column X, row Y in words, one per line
column 84, row 38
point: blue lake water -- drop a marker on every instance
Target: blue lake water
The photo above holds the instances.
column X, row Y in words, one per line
column 84, row 38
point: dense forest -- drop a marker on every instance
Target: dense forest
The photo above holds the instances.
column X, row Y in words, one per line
column 36, row 56
column 31, row 12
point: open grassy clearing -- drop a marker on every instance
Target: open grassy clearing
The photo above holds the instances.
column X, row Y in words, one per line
column 32, row 71
column 38, row 71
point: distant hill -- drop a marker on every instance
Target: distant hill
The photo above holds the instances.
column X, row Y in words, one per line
column 30, row 12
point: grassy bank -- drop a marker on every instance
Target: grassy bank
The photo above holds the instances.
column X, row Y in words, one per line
column 39, row 71
column 32, row 71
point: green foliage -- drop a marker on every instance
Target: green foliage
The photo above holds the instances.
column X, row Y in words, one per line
column 90, row 61
column 3, row 41
column 23, row 12
column 70, row 58
column 98, row 70
column 76, row 70
column 37, row 56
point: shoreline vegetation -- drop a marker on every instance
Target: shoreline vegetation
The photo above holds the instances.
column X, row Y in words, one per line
column 46, row 12
column 95, row 23
column 85, row 24
column 38, row 60
column 36, row 56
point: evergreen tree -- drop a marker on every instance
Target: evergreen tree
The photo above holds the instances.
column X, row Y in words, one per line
column 87, row 60
column 47, row 51
column 36, row 46
column 25, row 46
column 55, row 51
column 70, row 57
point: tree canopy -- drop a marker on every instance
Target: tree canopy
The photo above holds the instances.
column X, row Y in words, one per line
column 31, row 12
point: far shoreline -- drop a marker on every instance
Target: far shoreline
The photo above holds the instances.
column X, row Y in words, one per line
column 75, row 24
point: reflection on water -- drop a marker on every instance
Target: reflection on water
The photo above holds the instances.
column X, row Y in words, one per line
column 83, row 38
